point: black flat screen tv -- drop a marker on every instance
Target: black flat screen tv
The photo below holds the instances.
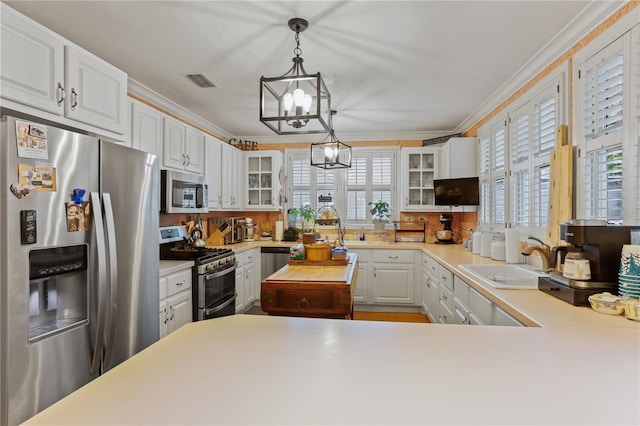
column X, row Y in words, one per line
column 457, row 192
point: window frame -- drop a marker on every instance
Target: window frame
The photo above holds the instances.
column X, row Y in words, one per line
column 625, row 34
column 557, row 82
column 341, row 188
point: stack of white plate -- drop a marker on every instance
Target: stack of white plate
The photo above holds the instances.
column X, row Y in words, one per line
column 629, row 277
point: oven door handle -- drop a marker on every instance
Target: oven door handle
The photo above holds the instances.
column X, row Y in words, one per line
column 221, row 273
column 210, row 311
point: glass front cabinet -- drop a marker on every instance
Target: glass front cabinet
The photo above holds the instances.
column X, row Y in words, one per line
column 419, row 168
column 263, row 180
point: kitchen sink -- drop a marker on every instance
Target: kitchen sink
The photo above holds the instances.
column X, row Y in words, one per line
column 506, row 275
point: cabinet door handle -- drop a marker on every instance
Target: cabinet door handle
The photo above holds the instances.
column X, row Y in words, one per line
column 166, row 317
column 60, row 94
column 74, row 99
column 303, row 304
column 374, row 272
column 443, row 297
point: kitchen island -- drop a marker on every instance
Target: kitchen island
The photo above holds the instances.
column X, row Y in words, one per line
column 312, row 289
column 251, row 369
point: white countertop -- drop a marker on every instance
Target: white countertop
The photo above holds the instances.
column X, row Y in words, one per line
column 575, row 367
column 248, row 369
column 170, row 266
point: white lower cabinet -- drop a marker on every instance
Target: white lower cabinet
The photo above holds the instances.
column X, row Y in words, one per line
column 247, row 279
column 447, row 299
column 503, row 318
column 482, row 307
column 175, row 308
column 362, row 286
column 393, row 277
column 251, row 277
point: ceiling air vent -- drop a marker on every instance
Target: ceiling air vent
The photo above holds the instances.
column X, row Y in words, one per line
column 200, row 80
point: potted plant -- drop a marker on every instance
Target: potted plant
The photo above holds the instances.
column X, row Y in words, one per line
column 379, row 214
column 306, row 215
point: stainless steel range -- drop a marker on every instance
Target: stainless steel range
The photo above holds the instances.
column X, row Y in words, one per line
column 214, row 278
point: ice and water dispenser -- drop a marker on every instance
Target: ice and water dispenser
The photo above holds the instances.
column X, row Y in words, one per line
column 58, row 293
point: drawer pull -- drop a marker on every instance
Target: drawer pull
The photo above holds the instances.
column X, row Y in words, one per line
column 393, row 257
column 303, row 304
column 180, row 283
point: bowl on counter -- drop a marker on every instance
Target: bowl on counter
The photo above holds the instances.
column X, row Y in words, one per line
column 606, row 303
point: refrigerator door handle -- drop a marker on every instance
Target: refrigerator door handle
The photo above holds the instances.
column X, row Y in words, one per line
column 113, row 276
column 102, row 281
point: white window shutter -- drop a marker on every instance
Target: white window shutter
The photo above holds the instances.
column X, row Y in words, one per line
column 603, row 85
column 603, row 178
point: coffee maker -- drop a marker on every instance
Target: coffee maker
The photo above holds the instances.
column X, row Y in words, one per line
column 601, row 245
column 445, row 235
column 291, row 233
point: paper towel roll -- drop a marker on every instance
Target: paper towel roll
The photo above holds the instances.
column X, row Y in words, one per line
column 512, row 245
column 476, row 243
column 279, row 230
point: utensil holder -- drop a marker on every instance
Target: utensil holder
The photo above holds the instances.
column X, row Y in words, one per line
column 216, row 238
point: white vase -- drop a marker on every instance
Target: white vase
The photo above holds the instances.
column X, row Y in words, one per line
column 378, row 224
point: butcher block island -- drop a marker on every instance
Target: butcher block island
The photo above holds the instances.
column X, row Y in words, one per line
column 312, row 289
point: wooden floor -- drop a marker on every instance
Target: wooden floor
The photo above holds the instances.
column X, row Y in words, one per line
column 390, row 316
column 370, row 316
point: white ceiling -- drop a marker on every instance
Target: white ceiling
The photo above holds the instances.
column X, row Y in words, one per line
column 399, row 69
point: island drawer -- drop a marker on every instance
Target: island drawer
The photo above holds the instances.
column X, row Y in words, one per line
column 306, row 299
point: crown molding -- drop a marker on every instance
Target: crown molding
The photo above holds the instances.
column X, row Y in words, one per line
column 348, row 137
column 579, row 27
column 171, row 107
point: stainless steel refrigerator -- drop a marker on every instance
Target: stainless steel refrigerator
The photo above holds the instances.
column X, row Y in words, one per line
column 78, row 261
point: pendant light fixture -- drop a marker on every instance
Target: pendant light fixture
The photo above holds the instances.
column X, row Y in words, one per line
column 296, row 102
column 330, row 153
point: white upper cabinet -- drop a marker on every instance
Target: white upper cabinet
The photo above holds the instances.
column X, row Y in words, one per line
column 458, row 158
column 419, row 168
column 44, row 71
column 183, row 146
column 262, row 170
column 146, row 128
column 96, row 91
column 213, row 170
column 32, row 66
column 194, row 150
column 232, row 171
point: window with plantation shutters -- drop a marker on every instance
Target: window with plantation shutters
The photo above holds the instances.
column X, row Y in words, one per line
column 484, row 214
column 306, row 183
column 603, row 169
column 485, row 203
column 519, row 147
column 545, row 123
column 607, row 168
column 498, row 150
column 515, row 153
column 545, row 119
column 603, row 89
column 370, row 178
column 542, row 178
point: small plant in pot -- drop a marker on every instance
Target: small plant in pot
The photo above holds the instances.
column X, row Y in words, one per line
column 307, row 217
column 379, row 214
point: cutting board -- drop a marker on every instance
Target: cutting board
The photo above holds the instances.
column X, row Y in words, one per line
column 560, row 187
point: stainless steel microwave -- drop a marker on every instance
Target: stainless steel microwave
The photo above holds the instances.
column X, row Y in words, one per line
column 183, row 192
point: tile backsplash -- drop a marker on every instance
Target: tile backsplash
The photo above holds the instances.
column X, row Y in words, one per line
column 462, row 222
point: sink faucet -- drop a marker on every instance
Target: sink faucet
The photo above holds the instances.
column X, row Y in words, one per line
column 543, row 249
